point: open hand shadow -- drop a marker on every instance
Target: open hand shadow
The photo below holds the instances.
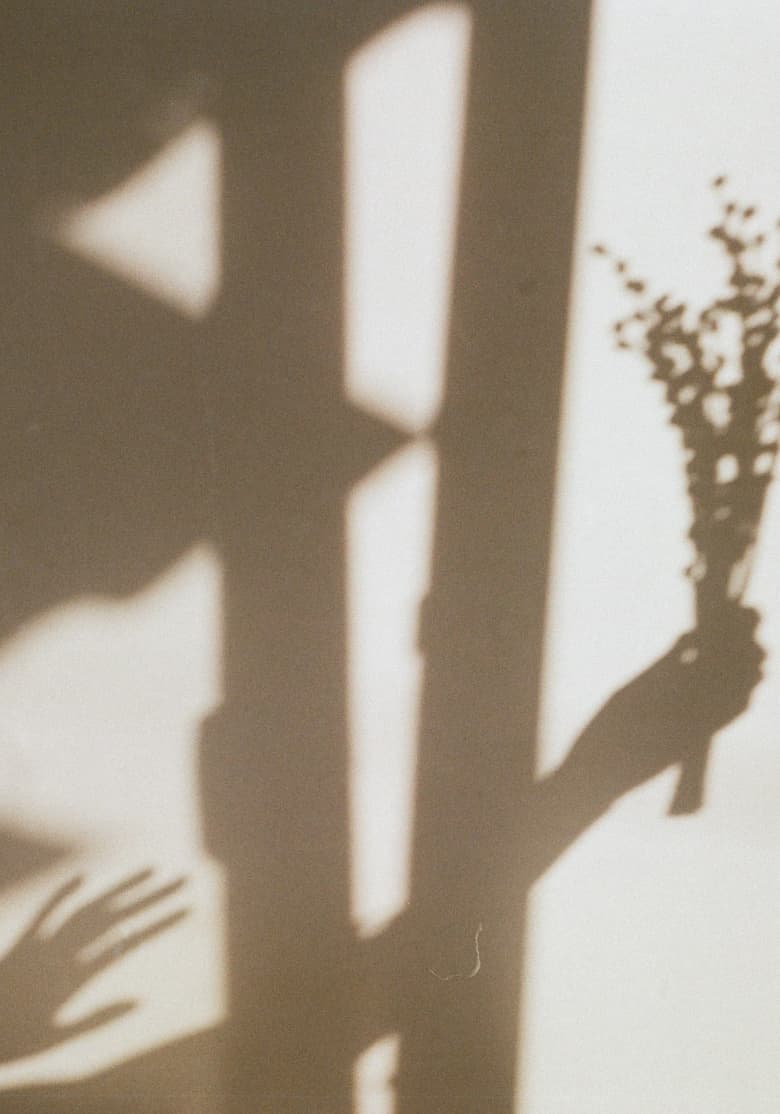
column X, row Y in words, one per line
column 49, row 964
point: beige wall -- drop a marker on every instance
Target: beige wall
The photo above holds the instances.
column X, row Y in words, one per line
column 653, row 966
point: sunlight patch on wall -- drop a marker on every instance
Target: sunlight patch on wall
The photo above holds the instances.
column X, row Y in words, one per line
column 159, row 230
column 647, row 923
column 389, row 557
column 405, row 94
column 101, row 703
column 620, row 519
column 373, row 1077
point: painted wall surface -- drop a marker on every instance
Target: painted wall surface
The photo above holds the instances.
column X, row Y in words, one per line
column 650, row 972
column 655, row 955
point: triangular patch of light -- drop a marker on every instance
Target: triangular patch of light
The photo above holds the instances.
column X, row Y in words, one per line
column 161, row 228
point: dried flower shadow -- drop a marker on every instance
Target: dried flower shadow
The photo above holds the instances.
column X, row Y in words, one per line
column 726, row 405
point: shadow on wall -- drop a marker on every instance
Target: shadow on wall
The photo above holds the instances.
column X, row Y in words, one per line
column 719, row 369
column 130, row 433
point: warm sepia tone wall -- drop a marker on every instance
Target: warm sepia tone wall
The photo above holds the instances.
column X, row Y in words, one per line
column 654, row 956
column 649, row 973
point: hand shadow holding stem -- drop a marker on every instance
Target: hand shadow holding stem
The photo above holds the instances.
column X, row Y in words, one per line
column 49, row 964
column 666, row 715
